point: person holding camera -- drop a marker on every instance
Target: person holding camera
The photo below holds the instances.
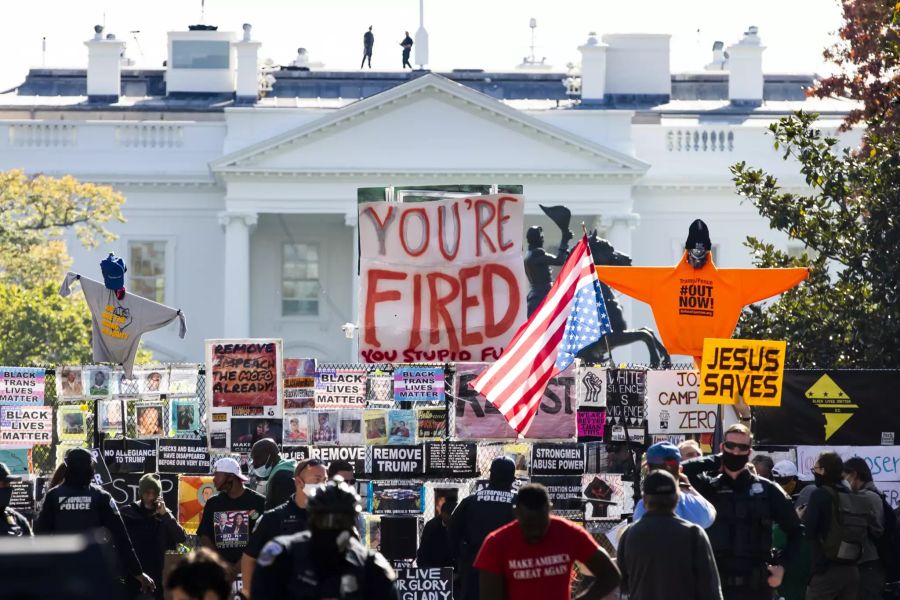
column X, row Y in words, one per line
column 153, row 529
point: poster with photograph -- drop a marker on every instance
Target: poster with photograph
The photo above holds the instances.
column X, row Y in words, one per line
column 521, row 455
column 299, row 383
column 395, row 498
column 380, row 388
column 152, row 380
column 244, row 372
column 68, row 383
column 432, row 424
column 350, row 433
column 373, row 531
column 96, row 381
column 375, row 423
column 606, row 496
column 296, row 427
column 110, row 415
column 401, row 427
column 419, row 384
column 185, row 415
column 247, row 431
column 70, row 424
column 231, row 528
column 183, row 380
column 18, row 460
column 193, row 492
column 324, row 425
column 340, row 386
column 21, row 385
column 149, row 419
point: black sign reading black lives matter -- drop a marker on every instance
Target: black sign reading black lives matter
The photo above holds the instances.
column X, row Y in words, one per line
column 451, row 460
column 397, row 462
column 557, row 459
column 188, row 457
column 625, row 404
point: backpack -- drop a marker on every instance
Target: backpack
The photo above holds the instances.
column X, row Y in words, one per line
column 849, row 527
column 888, row 544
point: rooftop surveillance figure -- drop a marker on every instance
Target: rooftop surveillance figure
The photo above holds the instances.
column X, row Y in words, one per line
column 368, row 43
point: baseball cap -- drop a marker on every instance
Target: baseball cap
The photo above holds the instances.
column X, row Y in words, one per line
column 230, row 466
column 784, row 468
column 659, row 483
column 663, row 452
column 6, row 475
column 113, row 269
column 503, row 470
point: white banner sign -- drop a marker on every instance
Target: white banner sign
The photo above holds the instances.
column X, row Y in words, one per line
column 440, row 281
column 26, row 425
column 590, row 386
column 884, row 461
column 673, row 408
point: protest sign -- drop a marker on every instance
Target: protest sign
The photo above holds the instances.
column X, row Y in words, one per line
column 391, row 462
column 883, row 461
column 355, row 455
column 299, row 382
column 419, row 384
column 395, row 498
column 375, row 422
column 247, row 431
column 152, row 380
column 190, row 457
column 22, row 498
column 96, row 381
column 68, row 383
column 606, row 496
column 565, row 491
column 591, row 424
column 843, row 407
column 110, row 415
column 350, row 433
column 451, row 460
column 21, row 385
column 753, row 369
column 442, row 280
column 520, row 454
column 340, row 386
column 24, row 425
column 183, row 380
column 149, row 419
column 18, row 460
column 557, row 459
column 70, row 424
column 185, row 415
column 673, row 406
column 243, row 372
column 102, row 475
column 625, row 404
column 124, row 489
column 591, row 386
column 425, row 584
column 130, row 456
column 296, row 427
column 324, row 426
column 401, row 427
column 193, row 492
column 478, row 419
column 432, row 423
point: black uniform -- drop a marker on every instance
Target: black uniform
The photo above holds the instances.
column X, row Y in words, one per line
column 407, row 44
column 71, row 509
column 286, row 519
column 285, row 572
column 537, row 269
column 474, row 518
column 741, row 535
column 151, row 535
column 12, row 523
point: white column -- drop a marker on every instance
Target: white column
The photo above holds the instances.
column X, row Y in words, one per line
column 238, row 227
column 352, row 220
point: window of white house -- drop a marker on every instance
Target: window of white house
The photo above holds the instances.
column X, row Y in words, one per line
column 147, row 269
column 300, row 280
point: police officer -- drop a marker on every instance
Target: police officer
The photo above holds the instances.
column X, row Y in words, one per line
column 11, row 521
column 538, row 263
column 747, row 506
column 76, row 506
column 326, row 561
column 477, row 516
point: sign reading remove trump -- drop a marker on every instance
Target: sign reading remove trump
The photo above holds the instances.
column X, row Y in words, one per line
column 753, row 369
column 442, row 280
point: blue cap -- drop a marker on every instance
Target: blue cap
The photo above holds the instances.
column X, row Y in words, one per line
column 113, row 269
column 663, row 452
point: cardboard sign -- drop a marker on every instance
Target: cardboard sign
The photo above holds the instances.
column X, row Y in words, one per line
column 601, row 490
column 21, row 385
column 753, row 369
column 591, row 382
column 340, row 387
column 425, row 584
column 26, row 425
column 440, row 281
column 557, row 459
column 394, row 462
column 451, row 460
column 419, row 384
column 299, row 382
column 625, row 404
column 673, row 404
column 129, row 456
column 564, row 490
column 395, row 498
column 243, row 372
column 190, row 457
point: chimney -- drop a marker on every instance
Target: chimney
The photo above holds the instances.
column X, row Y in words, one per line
column 104, row 72
column 745, row 76
column 201, row 61
column 247, row 86
column 637, row 68
column 593, row 70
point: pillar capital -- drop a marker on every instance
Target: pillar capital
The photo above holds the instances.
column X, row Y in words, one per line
column 248, row 219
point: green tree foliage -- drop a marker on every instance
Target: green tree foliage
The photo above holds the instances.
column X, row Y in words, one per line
column 848, row 313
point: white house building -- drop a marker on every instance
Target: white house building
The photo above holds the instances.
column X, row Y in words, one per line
column 242, row 211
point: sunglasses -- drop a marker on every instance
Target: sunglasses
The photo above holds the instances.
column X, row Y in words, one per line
column 737, row 446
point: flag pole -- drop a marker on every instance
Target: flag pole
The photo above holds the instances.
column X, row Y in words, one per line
column 605, row 338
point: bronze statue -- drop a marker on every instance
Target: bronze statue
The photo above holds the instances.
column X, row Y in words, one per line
column 538, row 261
column 604, row 254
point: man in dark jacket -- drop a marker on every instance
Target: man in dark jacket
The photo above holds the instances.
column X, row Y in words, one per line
column 407, row 45
column 152, row 529
column 434, row 548
column 76, row 506
column 368, row 43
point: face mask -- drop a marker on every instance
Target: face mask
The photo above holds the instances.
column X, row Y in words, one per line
column 311, row 489
column 262, row 472
column 789, row 487
column 819, row 479
column 734, row 462
column 5, row 497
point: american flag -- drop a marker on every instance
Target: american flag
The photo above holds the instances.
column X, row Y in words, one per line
column 571, row 317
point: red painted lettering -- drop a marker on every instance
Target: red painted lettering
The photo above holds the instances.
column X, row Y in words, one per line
column 501, row 219
column 442, row 233
column 426, row 230
column 438, row 304
column 494, row 328
column 467, row 303
column 482, row 221
column 375, row 297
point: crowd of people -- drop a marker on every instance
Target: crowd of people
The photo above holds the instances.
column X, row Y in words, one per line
column 721, row 526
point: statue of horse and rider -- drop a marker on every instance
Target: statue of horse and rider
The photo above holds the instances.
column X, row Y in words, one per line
column 537, row 269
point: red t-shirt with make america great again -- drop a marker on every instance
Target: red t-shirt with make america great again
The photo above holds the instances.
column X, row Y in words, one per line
column 542, row 570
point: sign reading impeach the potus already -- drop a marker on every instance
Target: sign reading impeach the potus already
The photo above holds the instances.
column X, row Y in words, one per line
column 440, row 281
column 21, row 385
column 243, row 372
column 753, row 369
column 26, row 425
